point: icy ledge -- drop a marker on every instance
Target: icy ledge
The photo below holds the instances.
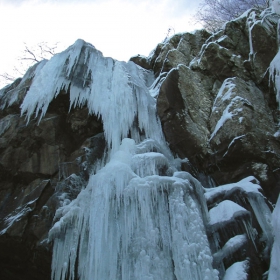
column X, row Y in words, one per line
column 137, row 218
column 250, row 189
column 274, row 270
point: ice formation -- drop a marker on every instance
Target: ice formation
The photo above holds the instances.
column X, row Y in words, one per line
column 232, row 245
column 251, row 190
column 139, row 217
column 274, row 270
column 226, row 211
column 237, row 271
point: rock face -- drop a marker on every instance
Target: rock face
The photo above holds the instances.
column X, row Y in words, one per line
column 35, row 164
column 217, row 108
column 220, row 110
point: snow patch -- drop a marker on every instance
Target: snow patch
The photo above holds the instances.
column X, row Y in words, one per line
column 133, row 220
column 232, row 245
column 226, row 211
column 237, row 271
column 274, row 269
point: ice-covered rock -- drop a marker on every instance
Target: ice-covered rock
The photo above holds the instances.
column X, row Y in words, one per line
column 93, row 136
column 237, row 271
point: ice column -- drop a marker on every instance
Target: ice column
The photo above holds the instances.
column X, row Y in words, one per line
column 137, row 218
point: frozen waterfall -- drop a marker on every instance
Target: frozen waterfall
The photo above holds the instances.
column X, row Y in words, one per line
column 139, row 217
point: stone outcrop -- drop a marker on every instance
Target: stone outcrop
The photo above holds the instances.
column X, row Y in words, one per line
column 217, row 108
column 36, row 161
column 220, row 110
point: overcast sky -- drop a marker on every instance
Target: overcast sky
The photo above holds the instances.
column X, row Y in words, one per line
column 118, row 28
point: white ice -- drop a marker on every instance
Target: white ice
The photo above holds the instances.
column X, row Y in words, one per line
column 253, row 192
column 226, row 211
column 232, row 245
column 274, row 270
column 134, row 219
column 145, row 228
column 238, row 271
column 249, row 185
column 17, row 215
column 274, row 73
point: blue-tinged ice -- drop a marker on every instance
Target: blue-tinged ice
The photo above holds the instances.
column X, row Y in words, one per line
column 237, row 271
column 139, row 217
column 274, row 270
column 250, row 189
column 274, row 73
column 226, row 211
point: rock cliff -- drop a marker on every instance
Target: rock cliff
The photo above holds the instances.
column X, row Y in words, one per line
column 217, row 104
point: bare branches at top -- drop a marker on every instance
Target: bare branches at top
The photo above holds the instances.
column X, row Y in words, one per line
column 214, row 13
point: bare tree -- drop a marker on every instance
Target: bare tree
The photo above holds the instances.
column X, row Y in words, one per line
column 214, row 13
column 30, row 55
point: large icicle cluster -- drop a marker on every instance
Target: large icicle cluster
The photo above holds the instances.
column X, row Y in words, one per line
column 111, row 89
column 138, row 217
column 123, row 226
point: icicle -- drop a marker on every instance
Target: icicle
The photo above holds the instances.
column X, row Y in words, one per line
column 274, row 69
column 274, row 269
column 131, row 221
column 263, row 215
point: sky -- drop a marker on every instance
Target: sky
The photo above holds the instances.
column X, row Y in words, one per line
column 118, row 28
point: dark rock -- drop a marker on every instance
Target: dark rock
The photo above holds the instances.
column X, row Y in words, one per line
column 36, row 161
column 141, row 61
column 178, row 49
column 184, row 107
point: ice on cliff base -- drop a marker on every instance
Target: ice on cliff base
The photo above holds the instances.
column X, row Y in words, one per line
column 139, row 217
column 129, row 222
column 274, row 270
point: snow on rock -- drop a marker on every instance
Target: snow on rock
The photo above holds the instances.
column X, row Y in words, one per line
column 225, row 212
column 234, row 139
column 248, row 185
column 232, row 245
column 227, row 95
column 228, row 113
column 275, row 4
column 225, row 92
column 237, row 271
column 17, row 215
column 274, row 270
column 252, row 191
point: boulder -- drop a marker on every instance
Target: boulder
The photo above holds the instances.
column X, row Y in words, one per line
column 184, row 106
column 221, row 112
